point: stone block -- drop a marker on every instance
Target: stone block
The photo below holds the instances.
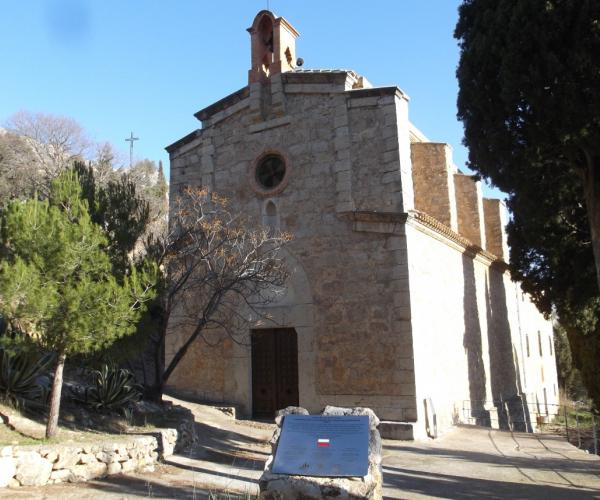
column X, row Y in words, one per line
column 113, row 468
column 32, row 469
column 81, row 473
column 108, row 457
column 86, row 458
column 60, row 476
column 66, row 458
column 129, row 465
column 400, row 431
column 8, row 468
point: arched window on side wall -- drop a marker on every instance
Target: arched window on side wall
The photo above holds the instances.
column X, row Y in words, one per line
column 270, row 216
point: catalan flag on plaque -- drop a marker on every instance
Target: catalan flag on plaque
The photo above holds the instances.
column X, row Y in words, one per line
column 322, row 443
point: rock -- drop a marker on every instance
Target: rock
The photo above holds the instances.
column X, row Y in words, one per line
column 167, row 441
column 375, row 447
column 6, row 451
column 67, row 457
column 60, row 476
column 80, row 473
column 186, row 435
column 113, row 468
column 84, row 458
column 128, row 465
column 290, row 410
column 340, row 411
column 107, row 457
column 50, row 455
column 32, row 469
column 8, row 468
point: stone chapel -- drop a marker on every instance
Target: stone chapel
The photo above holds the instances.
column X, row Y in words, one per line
column 399, row 298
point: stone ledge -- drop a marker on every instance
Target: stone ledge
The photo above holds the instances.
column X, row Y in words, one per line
column 398, row 431
column 276, row 122
column 223, row 104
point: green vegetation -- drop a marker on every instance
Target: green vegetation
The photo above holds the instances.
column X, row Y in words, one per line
column 113, row 389
column 581, row 417
column 528, row 99
column 57, row 281
column 569, row 377
column 19, row 373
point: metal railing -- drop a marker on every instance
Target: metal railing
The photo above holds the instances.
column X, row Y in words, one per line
column 574, row 421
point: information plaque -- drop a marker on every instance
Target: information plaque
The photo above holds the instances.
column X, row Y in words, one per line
column 314, row 445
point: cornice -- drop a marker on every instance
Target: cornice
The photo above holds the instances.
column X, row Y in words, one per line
column 426, row 224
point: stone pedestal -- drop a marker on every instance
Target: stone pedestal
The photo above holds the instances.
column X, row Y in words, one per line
column 286, row 487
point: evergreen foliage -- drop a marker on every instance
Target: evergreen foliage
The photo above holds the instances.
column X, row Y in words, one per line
column 528, row 78
column 20, row 371
column 119, row 210
column 569, row 377
column 57, row 281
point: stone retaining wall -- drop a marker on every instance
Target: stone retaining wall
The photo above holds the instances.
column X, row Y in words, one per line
column 50, row 464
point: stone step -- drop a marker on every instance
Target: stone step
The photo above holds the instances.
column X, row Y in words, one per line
column 399, row 431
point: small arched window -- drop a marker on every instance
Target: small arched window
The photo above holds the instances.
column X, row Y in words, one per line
column 270, row 216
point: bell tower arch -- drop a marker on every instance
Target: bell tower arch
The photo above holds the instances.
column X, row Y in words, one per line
column 273, row 46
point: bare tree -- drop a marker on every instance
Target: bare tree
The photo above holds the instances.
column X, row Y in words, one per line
column 219, row 271
column 106, row 161
column 18, row 175
column 53, row 140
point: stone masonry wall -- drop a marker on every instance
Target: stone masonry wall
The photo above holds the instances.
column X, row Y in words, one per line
column 342, row 324
column 51, row 464
column 433, row 180
column 495, row 223
column 469, row 208
column 379, row 149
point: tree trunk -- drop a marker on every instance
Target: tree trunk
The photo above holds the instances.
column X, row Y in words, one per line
column 592, row 200
column 181, row 353
column 52, row 425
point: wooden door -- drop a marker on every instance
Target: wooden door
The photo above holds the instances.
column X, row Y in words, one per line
column 274, row 371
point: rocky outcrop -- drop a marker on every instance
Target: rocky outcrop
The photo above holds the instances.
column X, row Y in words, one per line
column 282, row 486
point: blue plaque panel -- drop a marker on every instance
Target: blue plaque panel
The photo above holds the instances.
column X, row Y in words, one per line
column 314, row 445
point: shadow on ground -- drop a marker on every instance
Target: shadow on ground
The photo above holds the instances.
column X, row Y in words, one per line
column 438, row 485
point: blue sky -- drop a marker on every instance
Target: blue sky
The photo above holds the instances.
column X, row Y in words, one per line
column 147, row 66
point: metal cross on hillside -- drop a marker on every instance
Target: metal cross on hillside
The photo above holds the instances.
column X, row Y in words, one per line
column 130, row 141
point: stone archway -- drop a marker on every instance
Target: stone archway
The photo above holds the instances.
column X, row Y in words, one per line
column 291, row 308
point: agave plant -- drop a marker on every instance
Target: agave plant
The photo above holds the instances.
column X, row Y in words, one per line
column 20, row 371
column 113, row 389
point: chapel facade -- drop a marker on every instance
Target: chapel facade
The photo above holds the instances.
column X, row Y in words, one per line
column 399, row 297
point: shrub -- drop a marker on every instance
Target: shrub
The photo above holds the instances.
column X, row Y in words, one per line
column 113, row 389
column 20, row 373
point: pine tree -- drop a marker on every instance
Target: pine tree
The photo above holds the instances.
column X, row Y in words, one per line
column 57, row 281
